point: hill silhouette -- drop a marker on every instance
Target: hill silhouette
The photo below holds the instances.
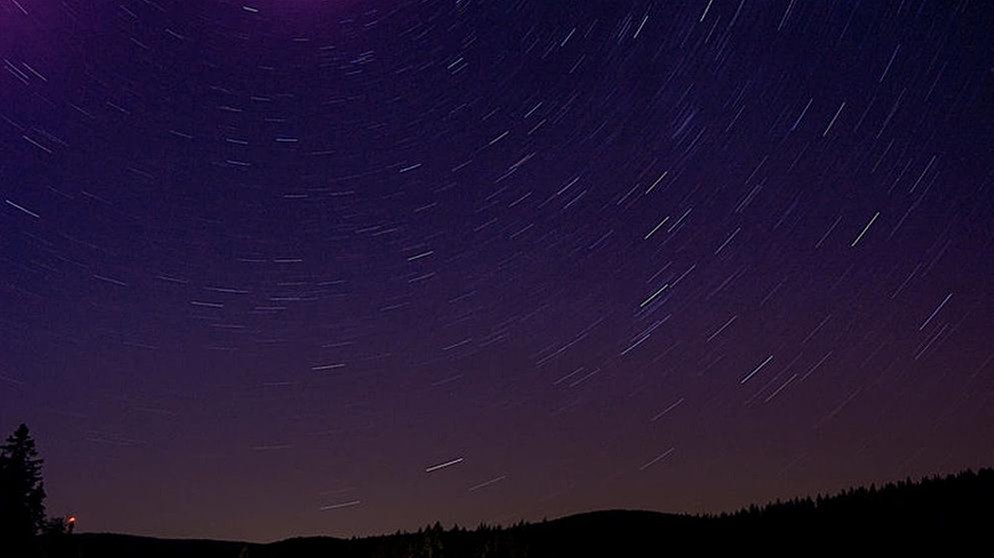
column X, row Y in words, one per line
column 956, row 507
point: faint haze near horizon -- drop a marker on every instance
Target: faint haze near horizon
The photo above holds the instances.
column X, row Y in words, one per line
column 272, row 269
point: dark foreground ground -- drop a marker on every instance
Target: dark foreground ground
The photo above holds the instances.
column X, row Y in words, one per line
column 953, row 510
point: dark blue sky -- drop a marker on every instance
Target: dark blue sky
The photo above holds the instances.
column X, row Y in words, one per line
column 282, row 268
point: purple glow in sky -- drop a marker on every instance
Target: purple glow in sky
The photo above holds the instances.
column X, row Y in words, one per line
column 276, row 269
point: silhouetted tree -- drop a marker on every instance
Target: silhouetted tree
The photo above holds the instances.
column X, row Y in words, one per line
column 56, row 527
column 22, row 492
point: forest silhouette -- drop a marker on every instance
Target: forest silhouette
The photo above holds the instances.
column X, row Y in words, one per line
column 954, row 508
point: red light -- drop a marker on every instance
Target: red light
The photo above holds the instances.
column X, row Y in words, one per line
column 71, row 519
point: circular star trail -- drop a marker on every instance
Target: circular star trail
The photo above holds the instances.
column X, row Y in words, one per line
column 283, row 268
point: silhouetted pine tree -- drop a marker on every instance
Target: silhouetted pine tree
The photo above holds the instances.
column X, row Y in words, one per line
column 22, row 492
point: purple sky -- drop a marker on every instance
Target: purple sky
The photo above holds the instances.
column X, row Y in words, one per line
column 285, row 268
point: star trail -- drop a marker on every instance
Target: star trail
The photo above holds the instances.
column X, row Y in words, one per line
column 312, row 267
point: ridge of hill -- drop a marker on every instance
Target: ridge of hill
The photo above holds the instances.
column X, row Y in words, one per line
column 959, row 506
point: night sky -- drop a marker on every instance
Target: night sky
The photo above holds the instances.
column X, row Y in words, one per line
column 300, row 267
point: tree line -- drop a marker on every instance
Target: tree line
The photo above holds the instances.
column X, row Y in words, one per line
column 954, row 507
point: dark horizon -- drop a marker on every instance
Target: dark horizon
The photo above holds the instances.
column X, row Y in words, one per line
column 274, row 268
column 707, row 516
